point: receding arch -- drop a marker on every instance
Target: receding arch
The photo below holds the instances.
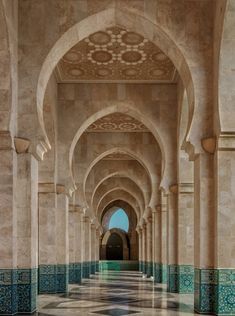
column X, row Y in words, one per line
column 114, row 150
column 101, row 20
column 119, row 188
column 114, row 174
column 119, row 198
column 128, row 185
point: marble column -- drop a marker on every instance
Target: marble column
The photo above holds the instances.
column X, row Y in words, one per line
column 149, row 265
column 74, row 245
column 18, row 226
column 144, row 248
column 157, row 241
column 185, row 266
column 204, row 234
column 8, row 225
column 164, row 237
column 97, row 249
column 47, row 261
column 224, row 268
column 62, row 240
column 27, row 232
column 140, row 249
column 78, row 214
column 86, row 246
column 172, row 244
column 92, row 248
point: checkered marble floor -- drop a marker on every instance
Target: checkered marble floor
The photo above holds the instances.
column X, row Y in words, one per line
column 116, row 294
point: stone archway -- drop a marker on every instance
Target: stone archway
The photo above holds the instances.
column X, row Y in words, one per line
column 104, row 252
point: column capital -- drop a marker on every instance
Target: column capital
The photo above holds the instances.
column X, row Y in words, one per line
column 226, row 141
column 209, row 144
column 174, row 188
column 21, row 145
column 186, row 188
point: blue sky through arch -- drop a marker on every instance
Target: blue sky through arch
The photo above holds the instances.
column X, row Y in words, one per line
column 119, row 219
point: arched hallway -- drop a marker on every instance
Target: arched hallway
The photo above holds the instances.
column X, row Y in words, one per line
column 110, row 105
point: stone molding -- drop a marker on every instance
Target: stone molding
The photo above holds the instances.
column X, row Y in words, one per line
column 226, row 141
column 49, row 187
column 186, row 188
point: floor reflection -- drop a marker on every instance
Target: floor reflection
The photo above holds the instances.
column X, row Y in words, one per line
column 116, row 294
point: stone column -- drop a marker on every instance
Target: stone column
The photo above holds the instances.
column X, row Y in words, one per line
column 149, row 265
column 204, row 233
column 78, row 244
column 92, row 248
column 224, row 268
column 47, row 214
column 86, row 247
column 62, row 241
column 8, row 225
column 157, row 243
column 185, row 267
column 97, row 249
column 74, row 245
column 172, row 244
column 164, row 238
column 27, row 231
column 140, row 248
column 144, row 248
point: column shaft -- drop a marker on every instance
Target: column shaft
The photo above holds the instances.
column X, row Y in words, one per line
column 149, row 248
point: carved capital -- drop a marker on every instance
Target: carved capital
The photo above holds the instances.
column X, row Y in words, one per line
column 21, row 145
column 209, row 144
column 49, row 187
column 174, row 188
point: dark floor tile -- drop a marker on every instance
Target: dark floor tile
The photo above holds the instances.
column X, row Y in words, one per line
column 115, row 312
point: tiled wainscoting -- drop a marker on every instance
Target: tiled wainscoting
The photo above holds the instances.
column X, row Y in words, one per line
column 18, row 291
column 123, row 265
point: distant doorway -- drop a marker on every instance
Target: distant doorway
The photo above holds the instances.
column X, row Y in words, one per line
column 114, row 247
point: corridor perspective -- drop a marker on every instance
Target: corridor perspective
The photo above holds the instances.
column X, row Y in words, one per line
column 117, row 157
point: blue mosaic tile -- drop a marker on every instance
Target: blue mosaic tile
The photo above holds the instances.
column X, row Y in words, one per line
column 77, row 273
column 149, row 269
column 8, row 291
column 27, row 290
column 164, row 269
column 205, row 288
column 225, row 303
column 185, row 279
column 62, row 278
column 172, row 280
column 18, row 291
column 157, row 273
column 47, row 279
column 72, row 273
column 85, row 270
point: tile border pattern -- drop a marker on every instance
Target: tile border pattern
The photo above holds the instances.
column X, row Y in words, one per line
column 53, row 278
column 18, row 291
column 215, row 291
